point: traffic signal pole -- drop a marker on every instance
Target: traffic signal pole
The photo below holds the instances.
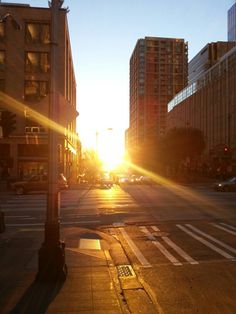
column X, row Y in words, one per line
column 52, row 252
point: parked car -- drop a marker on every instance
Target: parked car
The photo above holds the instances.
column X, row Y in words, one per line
column 227, row 185
column 37, row 183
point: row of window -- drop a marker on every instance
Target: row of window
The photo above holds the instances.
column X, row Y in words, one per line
column 34, row 90
column 35, row 33
column 35, row 62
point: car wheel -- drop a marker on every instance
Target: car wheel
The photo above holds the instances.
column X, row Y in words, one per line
column 19, row 190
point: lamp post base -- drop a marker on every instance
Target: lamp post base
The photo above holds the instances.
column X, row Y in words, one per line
column 51, row 257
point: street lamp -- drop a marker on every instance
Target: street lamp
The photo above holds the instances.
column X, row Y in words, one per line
column 52, row 252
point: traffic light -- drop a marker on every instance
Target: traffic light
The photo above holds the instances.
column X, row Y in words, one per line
column 7, row 122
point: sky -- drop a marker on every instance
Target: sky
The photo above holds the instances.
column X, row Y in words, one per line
column 103, row 35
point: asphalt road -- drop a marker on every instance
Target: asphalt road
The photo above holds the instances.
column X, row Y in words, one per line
column 180, row 241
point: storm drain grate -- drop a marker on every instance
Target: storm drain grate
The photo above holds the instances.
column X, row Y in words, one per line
column 125, row 271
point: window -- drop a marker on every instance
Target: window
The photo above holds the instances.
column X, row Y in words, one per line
column 2, row 60
column 35, row 90
column 37, row 33
column 2, row 31
column 37, row 62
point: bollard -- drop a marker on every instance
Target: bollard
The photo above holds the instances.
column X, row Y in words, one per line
column 2, row 222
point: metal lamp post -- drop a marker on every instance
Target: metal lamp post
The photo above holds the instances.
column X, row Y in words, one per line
column 52, row 252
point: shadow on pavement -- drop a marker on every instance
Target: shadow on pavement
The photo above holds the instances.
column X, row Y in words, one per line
column 37, row 297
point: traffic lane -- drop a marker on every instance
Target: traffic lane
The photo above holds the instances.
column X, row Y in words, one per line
column 208, row 288
column 193, row 271
column 185, row 203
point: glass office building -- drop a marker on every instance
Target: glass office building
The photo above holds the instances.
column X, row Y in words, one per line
column 232, row 23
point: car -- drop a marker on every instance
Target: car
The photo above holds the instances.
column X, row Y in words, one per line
column 134, row 179
column 146, row 180
column 225, row 186
column 123, row 180
column 37, row 183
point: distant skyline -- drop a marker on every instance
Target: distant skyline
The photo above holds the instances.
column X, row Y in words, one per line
column 103, row 35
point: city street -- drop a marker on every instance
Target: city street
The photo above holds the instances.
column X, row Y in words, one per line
column 179, row 241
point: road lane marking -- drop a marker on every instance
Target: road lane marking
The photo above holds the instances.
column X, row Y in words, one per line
column 174, row 246
column 229, row 226
column 180, row 251
column 161, row 248
column 222, row 228
column 155, row 228
column 207, row 243
column 135, row 249
column 226, row 246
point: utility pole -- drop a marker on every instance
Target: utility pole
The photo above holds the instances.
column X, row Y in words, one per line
column 52, row 252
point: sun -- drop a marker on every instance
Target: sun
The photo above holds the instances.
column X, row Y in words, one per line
column 110, row 150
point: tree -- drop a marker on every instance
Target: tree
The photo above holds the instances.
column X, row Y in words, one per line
column 181, row 143
column 91, row 165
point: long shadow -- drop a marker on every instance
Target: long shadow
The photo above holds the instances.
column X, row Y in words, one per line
column 37, row 298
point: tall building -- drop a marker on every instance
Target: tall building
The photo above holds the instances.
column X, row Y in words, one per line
column 25, row 82
column 206, row 58
column 158, row 71
column 232, row 23
column 208, row 104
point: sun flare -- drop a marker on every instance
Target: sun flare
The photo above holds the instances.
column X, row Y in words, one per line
column 110, row 150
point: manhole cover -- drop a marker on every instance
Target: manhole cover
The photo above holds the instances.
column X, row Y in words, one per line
column 125, row 271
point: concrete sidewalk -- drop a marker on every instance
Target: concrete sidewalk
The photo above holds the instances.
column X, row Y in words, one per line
column 92, row 284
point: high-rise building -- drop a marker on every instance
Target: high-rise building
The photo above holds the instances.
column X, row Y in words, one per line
column 206, row 58
column 25, row 80
column 232, row 23
column 158, row 71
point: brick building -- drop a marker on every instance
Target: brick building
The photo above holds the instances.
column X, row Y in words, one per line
column 158, row 71
column 25, row 86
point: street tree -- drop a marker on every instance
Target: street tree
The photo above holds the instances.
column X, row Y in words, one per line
column 180, row 144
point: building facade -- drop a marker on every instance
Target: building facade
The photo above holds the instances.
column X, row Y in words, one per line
column 206, row 58
column 158, row 71
column 232, row 23
column 25, row 88
column 209, row 104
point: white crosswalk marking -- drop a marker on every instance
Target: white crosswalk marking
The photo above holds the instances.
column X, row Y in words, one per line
column 207, row 243
column 162, row 249
column 226, row 246
column 180, row 251
column 174, row 246
column 229, row 226
column 135, row 249
column 225, row 229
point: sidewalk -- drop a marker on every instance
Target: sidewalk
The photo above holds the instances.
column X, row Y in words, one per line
column 92, row 284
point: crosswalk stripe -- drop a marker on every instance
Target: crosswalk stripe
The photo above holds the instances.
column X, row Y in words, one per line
column 180, row 251
column 174, row 246
column 225, row 229
column 163, row 250
column 207, row 243
column 229, row 226
column 155, row 228
column 135, row 249
column 226, row 246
